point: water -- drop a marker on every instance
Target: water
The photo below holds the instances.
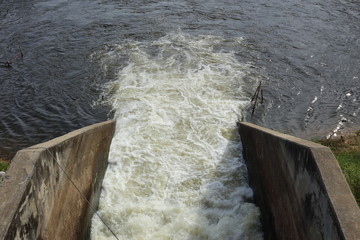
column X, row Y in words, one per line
column 160, row 67
column 176, row 170
column 303, row 51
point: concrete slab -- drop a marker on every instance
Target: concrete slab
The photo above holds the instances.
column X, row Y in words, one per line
column 41, row 196
column 298, row 186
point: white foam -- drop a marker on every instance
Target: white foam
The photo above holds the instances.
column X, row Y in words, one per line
column 175, row 169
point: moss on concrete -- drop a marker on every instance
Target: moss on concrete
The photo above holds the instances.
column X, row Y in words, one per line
column 347, row 151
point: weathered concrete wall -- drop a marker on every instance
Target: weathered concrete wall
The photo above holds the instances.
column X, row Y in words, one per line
column 299, row 187
column 37, row 198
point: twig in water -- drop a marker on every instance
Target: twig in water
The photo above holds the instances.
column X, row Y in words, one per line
column 255, row 97
column 10, row 61
column 256, row 92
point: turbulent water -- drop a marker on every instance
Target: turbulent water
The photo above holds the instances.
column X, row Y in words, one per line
column 175, row 170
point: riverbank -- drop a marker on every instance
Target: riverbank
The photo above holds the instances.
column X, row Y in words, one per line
column 346, row 149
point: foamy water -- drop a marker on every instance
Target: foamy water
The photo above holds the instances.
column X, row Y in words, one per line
column 175, row 168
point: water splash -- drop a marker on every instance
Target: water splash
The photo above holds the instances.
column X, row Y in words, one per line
column 175, row 166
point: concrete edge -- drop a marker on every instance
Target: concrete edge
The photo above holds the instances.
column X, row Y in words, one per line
column 339, row 192
column 20, row 177
column 66, row 137
column 332, row 178
column 17, row 181
column 283, row 136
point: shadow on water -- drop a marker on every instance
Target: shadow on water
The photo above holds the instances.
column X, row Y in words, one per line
column 227, row 204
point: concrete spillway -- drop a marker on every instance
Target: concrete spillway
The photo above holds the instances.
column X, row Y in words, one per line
column 42, row 194
column 297, row 185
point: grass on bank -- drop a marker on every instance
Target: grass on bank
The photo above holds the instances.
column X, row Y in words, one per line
column 347, row 152
column 4, row 165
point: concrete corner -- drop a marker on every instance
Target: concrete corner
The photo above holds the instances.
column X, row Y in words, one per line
column 298, row 186
column 42, row 195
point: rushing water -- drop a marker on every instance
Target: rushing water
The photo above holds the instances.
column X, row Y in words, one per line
column 175, row 166
column 177, row 76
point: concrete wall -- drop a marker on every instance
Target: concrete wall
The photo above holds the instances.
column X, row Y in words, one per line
column 299, row 187
column 37, row 199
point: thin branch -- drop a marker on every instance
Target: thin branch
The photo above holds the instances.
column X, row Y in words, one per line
column 8, row 63
column 256, row 96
